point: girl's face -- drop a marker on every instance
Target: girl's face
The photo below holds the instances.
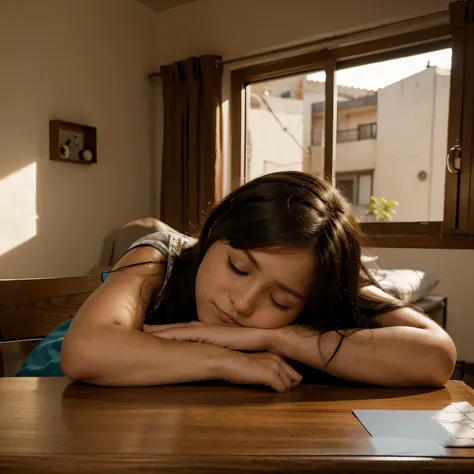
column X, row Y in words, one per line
column 263, row 288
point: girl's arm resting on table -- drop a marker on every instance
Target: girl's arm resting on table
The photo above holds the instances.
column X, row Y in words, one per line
column 408, row 350
column 105, row 345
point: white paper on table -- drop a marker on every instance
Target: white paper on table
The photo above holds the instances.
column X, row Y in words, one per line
column 452, row 427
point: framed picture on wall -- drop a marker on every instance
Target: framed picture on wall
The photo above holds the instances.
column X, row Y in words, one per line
column 72, row 142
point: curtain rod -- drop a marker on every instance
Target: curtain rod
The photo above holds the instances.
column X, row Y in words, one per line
column 155, row 74
column 288, row 49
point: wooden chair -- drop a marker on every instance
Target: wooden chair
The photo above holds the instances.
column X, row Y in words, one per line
column 31, row 308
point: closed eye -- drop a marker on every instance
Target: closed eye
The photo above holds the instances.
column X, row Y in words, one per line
column 239, row 272
column 234, row 269
column 279, row 306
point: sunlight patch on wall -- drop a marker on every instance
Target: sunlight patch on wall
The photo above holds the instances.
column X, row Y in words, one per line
column 17, row 208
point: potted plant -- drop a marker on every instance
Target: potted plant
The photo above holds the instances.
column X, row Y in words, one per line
column 381, row 210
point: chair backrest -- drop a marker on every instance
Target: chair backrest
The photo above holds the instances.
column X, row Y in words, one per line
column 31, row 308
column 118, row 241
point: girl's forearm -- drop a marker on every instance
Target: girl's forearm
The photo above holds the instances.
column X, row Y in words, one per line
column 120, row 356
column 392, row 356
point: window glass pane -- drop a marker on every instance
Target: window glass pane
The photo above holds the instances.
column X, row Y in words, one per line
column 285, row 126
column 391, row 141
column 392, row 124
column 357, row 189
column 365, row 189
column 348, row 188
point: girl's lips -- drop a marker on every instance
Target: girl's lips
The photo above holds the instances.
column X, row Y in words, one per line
column 226, row 318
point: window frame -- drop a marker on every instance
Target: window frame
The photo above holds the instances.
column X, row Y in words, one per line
column 371, row 126
column 457, row 228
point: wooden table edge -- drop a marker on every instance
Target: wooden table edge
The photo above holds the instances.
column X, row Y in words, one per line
column 466, row 387
column 182, row 463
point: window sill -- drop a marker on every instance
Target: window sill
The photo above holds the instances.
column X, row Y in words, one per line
column 419, row 241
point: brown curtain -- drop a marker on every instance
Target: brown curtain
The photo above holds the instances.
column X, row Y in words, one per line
column 191, row 179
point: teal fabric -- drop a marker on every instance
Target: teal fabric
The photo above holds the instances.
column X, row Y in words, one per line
column 44, row 360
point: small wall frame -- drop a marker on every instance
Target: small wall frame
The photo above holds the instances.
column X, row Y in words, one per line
column 72, row 143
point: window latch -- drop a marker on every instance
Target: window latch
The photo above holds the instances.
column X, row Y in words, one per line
column 453, row 159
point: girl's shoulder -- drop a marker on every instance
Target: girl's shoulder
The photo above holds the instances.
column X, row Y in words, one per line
column 169, row 244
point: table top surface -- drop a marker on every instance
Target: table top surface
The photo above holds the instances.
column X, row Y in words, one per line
column 205, row 427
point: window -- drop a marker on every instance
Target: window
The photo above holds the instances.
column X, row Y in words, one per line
column 347, row 186
column 378, row 119
column 317, row 136
column 276, row 125
column 367, row 131
column 407, row 102
column 357, row 188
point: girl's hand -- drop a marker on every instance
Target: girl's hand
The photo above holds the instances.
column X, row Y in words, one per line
column 236, row 338
column 262, row 368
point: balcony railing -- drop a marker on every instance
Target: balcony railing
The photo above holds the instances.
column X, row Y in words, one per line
column 366, row 131
column 351, row 135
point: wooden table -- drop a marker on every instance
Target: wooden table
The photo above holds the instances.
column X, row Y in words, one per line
column 55, row 426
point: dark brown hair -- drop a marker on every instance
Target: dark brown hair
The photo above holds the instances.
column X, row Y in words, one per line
column 287, row 209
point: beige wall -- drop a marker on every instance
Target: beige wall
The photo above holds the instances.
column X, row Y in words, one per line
column 356, row 156
column 313, row 93
column 412, row 127
column 83, row 61
column 353, row 155
column 238, row 28
column 349, row 119
column 456, row 270
column 270, row 147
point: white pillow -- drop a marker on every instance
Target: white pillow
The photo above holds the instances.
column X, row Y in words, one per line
column 371, row 265
column 410, row 285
